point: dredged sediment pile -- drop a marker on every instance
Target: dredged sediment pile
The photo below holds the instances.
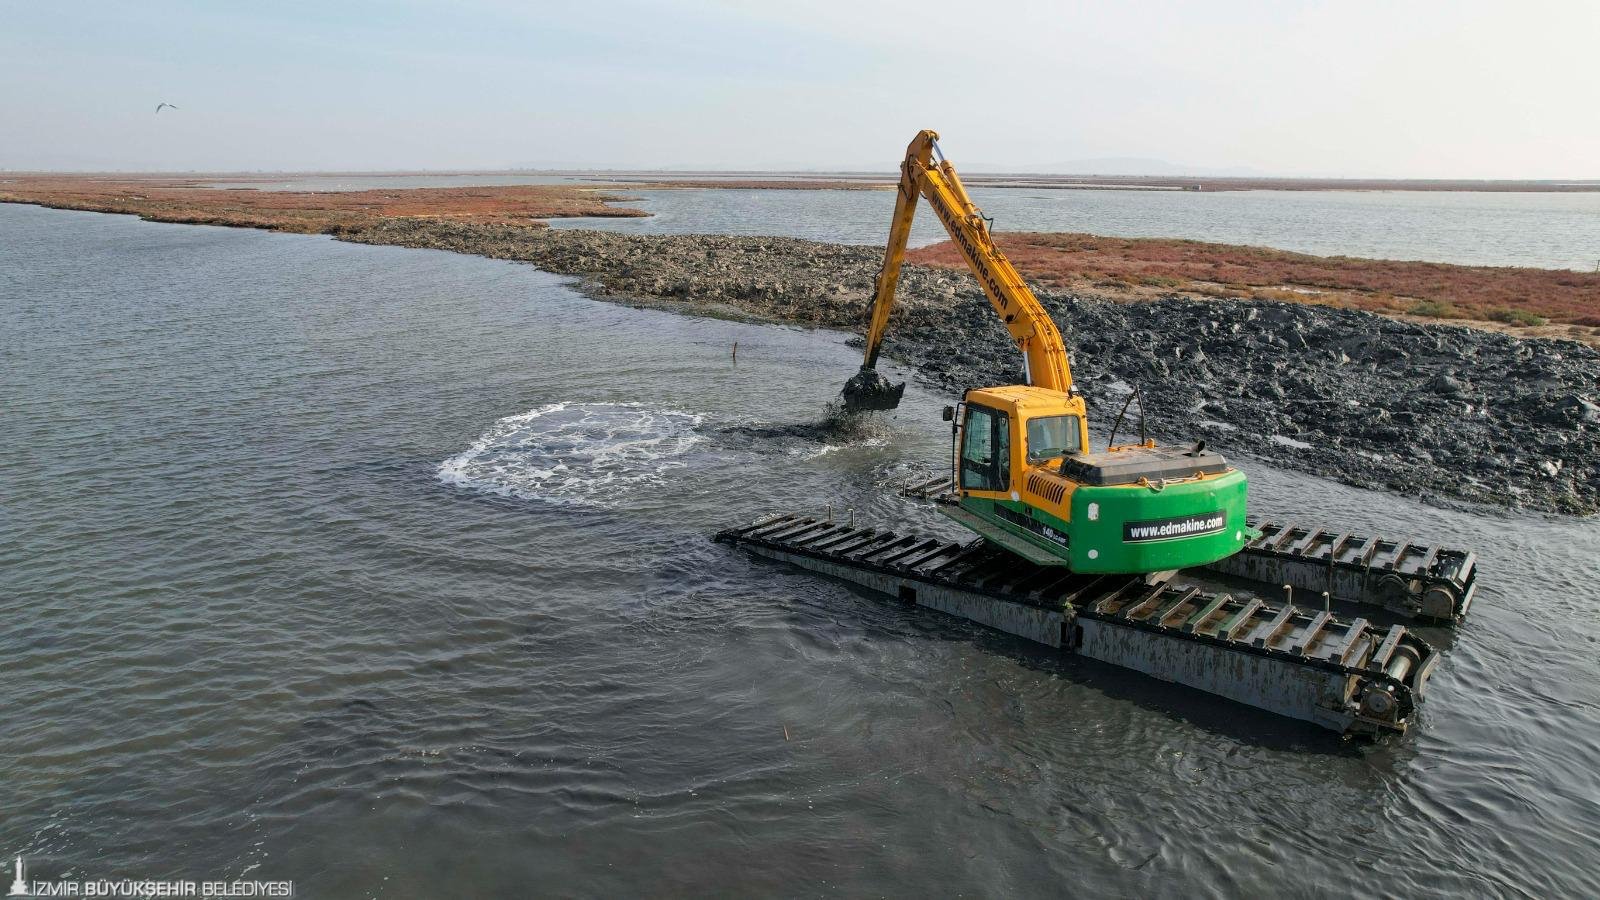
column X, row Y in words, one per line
column 1444, row 413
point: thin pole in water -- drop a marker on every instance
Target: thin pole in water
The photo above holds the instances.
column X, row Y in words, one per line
column 735, row 351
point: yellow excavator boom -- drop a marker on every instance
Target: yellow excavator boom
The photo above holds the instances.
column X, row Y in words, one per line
column 925, row 173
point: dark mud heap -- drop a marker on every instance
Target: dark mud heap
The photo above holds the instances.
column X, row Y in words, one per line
column 1437, row 412
column 869, row 390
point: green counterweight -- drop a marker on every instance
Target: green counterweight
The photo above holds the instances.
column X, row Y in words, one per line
column 1121, row 528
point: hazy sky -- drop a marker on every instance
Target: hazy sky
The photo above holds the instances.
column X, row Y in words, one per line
column 1427, row 89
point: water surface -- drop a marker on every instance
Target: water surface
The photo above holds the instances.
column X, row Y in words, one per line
column 384, row 570
column 1543, row 230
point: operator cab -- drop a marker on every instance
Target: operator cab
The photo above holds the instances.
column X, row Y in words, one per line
column 1050, row 431
column 1019, row 427
column 1027, row 481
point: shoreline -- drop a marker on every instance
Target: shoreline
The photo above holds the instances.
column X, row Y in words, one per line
column 1447, row 414
column 1442, row 413
column 888, row 178
column 185, row 201
column 1090, row 181
column 1524, row 301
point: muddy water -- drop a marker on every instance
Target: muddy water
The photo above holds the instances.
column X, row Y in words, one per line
column 387, row 571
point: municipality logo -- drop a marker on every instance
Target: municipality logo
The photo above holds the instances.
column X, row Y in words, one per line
column 142, row 888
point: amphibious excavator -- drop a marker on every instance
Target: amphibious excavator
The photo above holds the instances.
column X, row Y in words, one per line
column 1025, row 476
column 1116, row 555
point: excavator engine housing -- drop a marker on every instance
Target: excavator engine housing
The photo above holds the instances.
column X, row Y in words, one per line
column 1026, row 481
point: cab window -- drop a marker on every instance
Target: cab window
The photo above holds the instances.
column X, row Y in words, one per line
column 1053, row 436
column 985, row 450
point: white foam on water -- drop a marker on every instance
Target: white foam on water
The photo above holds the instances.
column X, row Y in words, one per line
column 808, row 453
column 584, row 454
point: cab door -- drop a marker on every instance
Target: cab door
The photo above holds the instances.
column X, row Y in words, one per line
column 985, row 450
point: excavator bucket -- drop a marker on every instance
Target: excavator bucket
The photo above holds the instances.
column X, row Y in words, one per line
column 869, row 390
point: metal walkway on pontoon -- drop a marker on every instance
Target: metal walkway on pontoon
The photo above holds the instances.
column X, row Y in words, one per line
column 1351, row 676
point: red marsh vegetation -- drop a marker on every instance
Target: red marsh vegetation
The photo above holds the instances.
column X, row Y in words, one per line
column 1149, row 267
column 168, row 199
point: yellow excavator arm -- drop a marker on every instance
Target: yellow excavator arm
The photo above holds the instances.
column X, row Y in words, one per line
column 1043, row 353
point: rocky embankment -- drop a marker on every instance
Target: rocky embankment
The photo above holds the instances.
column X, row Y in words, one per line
column 1444, row 413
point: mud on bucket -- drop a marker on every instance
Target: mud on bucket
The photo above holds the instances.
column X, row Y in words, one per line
column 869, row 390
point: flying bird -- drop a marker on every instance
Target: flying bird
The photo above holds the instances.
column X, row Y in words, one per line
column 159, row 107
